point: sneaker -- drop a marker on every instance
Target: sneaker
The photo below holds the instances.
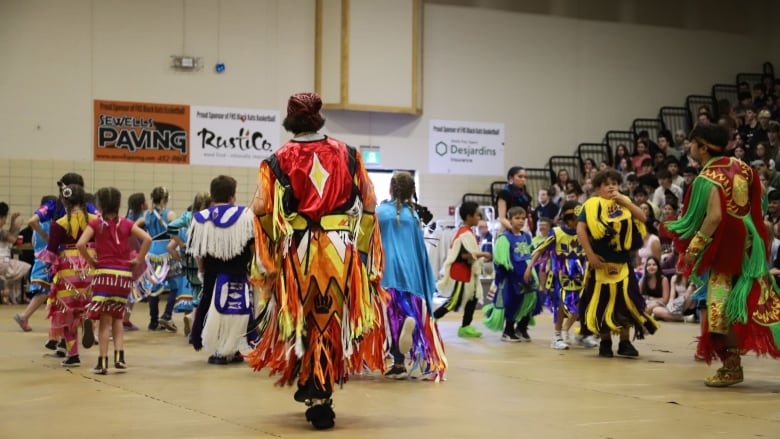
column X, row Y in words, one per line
column 321, row 415
column 88, row 337
column 559, row 344
column 510, row 338
column 586, row 342
column 22, row 323
column 187, row 324
column 62, row 349
column 468, row 332
column 691, row 318
column 51, row 345
column 605, row 349
column 405, row 337
column 73, row 361
column 168, row 325
column 102, row 366
column 397, row 373
column 523, row 334
column 430, row 376
column 626, row 349
column 216, row 359
column 237, row 358
column 155, row 327
column 129, row 326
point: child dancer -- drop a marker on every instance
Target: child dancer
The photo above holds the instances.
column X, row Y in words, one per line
column 161, row 271
column 565, row 276
column 112, row 273
column 188, row 284
column 71, row 275
column 609, row 227
column 462, row 269
column 409, row 279
column 136, row 206
column 222, row 237
column 516, row 297
column 40, row 279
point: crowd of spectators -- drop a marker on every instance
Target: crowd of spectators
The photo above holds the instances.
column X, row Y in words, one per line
column 658, row 172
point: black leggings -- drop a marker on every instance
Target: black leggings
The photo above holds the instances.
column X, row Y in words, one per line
column 468, row 311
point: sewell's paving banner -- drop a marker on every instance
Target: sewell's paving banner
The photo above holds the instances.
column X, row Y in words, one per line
column 142, row 132
column 182, row 134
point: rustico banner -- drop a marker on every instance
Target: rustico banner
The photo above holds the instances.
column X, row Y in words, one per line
column 232, row 136
column 142, row 132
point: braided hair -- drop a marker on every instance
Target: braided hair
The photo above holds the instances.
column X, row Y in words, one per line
column 72, row 197
column 135, row 204
column 402, row 191
column 109, row 199
column 159, row 201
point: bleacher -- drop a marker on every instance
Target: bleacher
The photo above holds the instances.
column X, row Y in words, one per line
column 671, row 118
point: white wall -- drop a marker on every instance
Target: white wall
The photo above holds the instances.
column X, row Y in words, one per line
column 554, row 82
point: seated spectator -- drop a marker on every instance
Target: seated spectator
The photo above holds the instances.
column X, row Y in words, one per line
column 653, row 285
column 546, row 208
column 665, row 145
column 664, row 184
column 773, row 142
column 640, row 196
column 762, row 153
column 679, row 140
column 12, row 271
column 621, row 152
column 560, row 186
column 673, row 166
column 647, row 168
column 773, row 209
column 679, row 303
column 744, row 101
column 740, row 153
column 484, row 237
column 689, row 173
column 640, row 155
column 772, row 176
column 668, row 213
column 652, row 244
column 644, row 137
column 588, row 168
column 630, row 184
column 574, row 187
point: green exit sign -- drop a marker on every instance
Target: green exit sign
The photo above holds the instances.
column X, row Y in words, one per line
column 372, row 156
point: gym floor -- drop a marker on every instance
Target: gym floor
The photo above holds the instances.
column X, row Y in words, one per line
column 493, row 389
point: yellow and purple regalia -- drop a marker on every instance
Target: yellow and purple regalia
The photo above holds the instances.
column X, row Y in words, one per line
column 610, row 299
column 323, row 315
column 565, row 272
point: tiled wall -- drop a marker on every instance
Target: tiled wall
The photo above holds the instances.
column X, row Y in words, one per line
column 24, row 182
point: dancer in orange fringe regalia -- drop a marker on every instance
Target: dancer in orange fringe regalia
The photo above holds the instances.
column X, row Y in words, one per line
column 320, row 258
column 724, row 242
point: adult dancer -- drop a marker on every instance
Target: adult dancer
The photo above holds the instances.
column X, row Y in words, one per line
column 725, row 246
column 315, row 205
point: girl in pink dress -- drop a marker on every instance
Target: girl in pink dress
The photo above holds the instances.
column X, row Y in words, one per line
column 112, row 268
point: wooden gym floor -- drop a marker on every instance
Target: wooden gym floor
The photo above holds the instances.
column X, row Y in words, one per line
column 493, row 390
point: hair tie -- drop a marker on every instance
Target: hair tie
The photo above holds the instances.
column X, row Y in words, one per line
column 66, row 192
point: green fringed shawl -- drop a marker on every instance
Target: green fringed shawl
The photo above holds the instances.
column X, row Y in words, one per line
column 754, row 264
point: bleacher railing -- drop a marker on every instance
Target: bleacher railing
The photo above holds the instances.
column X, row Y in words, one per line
column 614, row 138
column 652, row 126
column 597, row 152
column 675, row 118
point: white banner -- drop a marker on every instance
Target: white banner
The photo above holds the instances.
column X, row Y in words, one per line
column 466, row 148
column 222, row 136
